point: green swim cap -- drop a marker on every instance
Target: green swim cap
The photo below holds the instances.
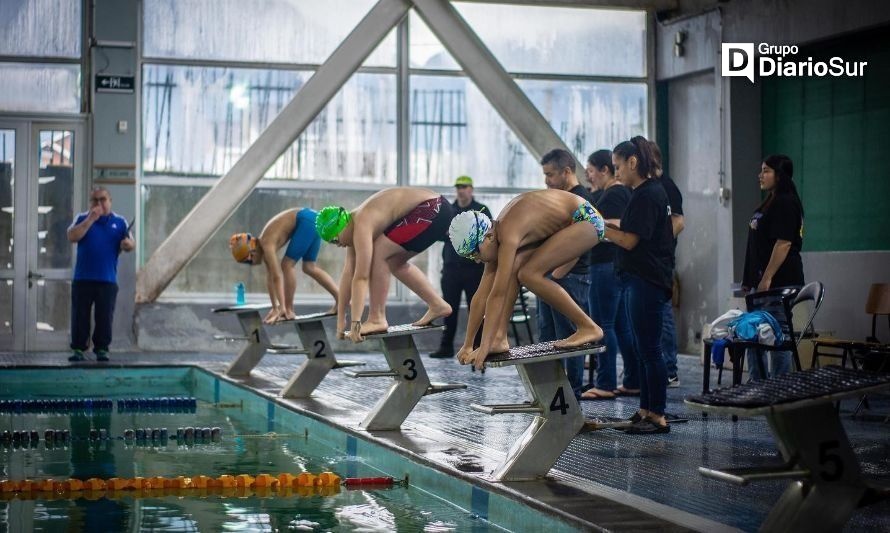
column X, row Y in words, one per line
column 331, row 221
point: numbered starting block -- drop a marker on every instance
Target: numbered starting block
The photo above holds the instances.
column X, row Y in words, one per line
column 827, row 484
column 316, row 346
column 558, row 418
column 411, row 382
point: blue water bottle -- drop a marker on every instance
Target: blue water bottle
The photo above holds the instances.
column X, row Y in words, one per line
column 239, row 294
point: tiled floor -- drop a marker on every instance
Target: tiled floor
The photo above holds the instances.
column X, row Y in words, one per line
column 657, row 474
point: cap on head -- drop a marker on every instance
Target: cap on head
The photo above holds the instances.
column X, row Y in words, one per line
column 463, row 181
column 331, row 221
column 241, row 245
column 467, row 230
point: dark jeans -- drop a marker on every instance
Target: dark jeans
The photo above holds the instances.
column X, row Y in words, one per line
column 554, row 326
column 608, row 309
column 646, row 309
column 669, row 339
column 99, row 297
column 458, row 280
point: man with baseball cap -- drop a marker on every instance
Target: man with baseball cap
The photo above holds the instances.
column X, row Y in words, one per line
column 459, row 274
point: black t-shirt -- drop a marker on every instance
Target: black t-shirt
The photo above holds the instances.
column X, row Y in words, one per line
column 675, row 199
column 582, row 267
column 648, row 216
column 611, row 204
column 449, row 255
column 783, row 220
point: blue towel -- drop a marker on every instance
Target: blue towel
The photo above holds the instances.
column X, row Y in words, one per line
column 718, row 350
column 745, row 326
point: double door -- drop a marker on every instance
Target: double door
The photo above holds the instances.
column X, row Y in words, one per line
column 41, row 177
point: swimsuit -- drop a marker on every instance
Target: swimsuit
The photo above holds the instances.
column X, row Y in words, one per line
column 304, row 241
column 424, row 225
column 588, row 213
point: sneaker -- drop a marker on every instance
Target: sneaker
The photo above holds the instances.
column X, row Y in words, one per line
column 673, row 382
column 77, row 356
column 442, row 353
column 675, row 419
column 647, row 427
column 102, row 355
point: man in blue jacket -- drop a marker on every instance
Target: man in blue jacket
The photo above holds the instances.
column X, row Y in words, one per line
column 100, row 235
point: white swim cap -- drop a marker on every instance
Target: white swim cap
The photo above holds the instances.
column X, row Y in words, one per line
column 467, row 230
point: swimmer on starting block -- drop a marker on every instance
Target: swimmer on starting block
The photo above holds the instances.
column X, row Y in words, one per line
column 526, row 242
column 381, row 235
column 296, row 228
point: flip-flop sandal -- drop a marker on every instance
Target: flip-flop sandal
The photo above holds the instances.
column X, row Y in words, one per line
column 621, row 391
column 595, row 397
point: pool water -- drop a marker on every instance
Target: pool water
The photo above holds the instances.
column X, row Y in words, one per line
column 250, row 443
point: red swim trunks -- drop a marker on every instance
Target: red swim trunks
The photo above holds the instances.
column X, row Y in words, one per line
column 424, row 225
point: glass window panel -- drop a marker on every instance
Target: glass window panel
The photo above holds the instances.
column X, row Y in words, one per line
column 53, row 305
column 286, row 31
column 197, row 121
column 48, row 28
column 55, row 186
column 38, row 87
column 454, row 130
column 213, row 272
column 549, row 40
column 7, row 198
column 5, row 307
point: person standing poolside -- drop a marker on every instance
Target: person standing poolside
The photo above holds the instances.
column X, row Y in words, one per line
column 506, row 246
column 678, row 224
column 558, row 167
column 775, row 238
column 607, row 296
column 381, row 235
column 100, row 235
column 296, row 229
column 459, row 274
column 645, row 265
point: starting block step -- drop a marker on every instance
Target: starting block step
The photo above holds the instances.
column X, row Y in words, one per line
column 231, row 338
column 403, row 329
column 542, row 351
column 242, row 308
column 371, row 374
column 744, row 475
column 286, row 350
column 311, row 317
column 507, row 408
column 435, row 388
column 347, row 364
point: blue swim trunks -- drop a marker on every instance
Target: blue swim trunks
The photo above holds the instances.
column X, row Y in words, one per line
column 588, row 213
column 304, row 242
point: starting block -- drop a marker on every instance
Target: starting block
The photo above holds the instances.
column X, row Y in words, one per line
column 558, row 417
column 826, row 480
column 315, row 343
column 411, row 382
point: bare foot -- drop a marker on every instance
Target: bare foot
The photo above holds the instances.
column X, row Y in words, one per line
column 595, row 393
column 500, row 346
column 582, row 336
column 442, row 309
column 371, row 327
column 477, row 358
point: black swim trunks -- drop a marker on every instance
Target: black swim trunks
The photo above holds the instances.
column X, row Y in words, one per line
column 424, row 225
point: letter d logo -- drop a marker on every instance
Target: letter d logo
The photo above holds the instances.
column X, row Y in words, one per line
column 738, row 60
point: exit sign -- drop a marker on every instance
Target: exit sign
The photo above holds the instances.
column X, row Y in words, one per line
column 115, row 84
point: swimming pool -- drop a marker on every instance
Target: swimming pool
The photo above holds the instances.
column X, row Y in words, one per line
column 256, row 436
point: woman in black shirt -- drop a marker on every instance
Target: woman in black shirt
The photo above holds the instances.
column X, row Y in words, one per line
column 645, row 264
column 775, row 237
column 607, row 299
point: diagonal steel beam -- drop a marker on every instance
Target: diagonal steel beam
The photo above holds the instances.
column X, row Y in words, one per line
column 496, row 85
column 226, row 195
